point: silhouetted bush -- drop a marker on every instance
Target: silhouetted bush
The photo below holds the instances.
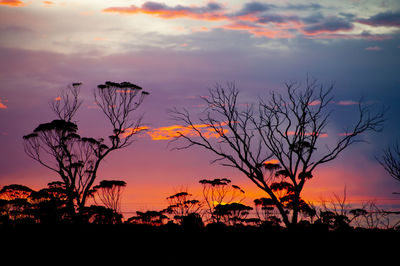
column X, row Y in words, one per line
column 192, row 221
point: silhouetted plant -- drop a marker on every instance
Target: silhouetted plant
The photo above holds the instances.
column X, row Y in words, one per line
column 57, row 145
column 15, row 202
column 154, row 218
column 101, row 215
column 15, row 191
column 391, row 161
column 372, row 217
column 219, row 191
column 109, row 192
column 182, row 205
column 49, row 205
column 4, row 212
column 232, row 213
column 192, row 221
column 285, row 128
column 266, row 211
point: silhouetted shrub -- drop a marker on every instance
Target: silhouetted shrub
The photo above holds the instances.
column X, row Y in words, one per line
column 192, row 221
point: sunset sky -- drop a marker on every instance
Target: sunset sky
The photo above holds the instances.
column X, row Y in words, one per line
column 177, row 50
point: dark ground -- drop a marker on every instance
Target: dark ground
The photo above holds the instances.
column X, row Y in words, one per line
column 172, row 245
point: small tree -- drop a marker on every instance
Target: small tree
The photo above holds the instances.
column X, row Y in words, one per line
column 109, row 192
column 15, row 201
column 232, row 213
column 15, row 191
column 153, row 218
column 286, row 128
column 49, row 204
column 57, row 145
column 217, row 192
column 266, row 211
column 182, row 205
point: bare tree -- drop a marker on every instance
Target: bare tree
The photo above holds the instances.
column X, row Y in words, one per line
column 57, row 145
column 391, row 161
column 286, row 128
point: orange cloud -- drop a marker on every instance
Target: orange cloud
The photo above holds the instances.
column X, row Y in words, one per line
column 12, row 3
column 211, row 11
column 272, row 161
column 2, row 105
column 131, row 131
column 258, row 31
column 170, row 132
column 200, row 29
column 47, row 2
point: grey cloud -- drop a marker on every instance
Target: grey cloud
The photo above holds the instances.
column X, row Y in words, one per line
column 210, row 7
column 304, row 6
column 329, row 24
column 276, row 18
column 254, row 7
column 389, row 18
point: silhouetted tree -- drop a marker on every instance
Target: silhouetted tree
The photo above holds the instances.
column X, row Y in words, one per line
column 154, row 218
column 285, row 128
column 109, row 192
column 15, row 191
column 4, row 212
column 95, row 214
column 232, row 213
column 266, row 211
column 192, row 221
column 337, row 213
column 57, row 145
column 219, row 191
column 49, row 205
column 372, row 217
column 391, row 161
column 182, row 205
column 15, row 202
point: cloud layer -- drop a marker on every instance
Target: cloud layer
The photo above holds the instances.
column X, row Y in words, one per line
column 269, row 20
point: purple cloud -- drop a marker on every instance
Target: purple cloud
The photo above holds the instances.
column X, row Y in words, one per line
column 328, row 25
column 389, row 18
column 254, row 7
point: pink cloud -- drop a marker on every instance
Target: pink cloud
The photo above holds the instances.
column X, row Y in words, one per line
column 258, row 31
column 374, row 48
column 344, row 134
column 2, row 105
column 346, row 102
column 314, row 103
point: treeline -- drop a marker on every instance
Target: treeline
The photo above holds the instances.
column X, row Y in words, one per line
column 274, row 142
column 221, row 205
